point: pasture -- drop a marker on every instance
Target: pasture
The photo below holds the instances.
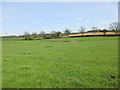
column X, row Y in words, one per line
column 82, row 62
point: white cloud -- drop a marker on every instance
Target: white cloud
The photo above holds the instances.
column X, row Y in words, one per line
column 25, row 27
column 30, row 19
column 39, row 22
column 78, row 18
column 5, row 16
column 115, row 19
column 8, row 17
column 104, row 24
column 13, row 16
column 77, row 24
column 87, row 20
column 82, row 19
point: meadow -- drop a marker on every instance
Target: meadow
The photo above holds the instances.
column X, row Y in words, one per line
column 81, row 62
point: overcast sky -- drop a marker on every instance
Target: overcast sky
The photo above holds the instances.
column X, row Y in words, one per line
column 56, row 16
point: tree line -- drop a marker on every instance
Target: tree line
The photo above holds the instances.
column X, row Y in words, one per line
column 113, row 27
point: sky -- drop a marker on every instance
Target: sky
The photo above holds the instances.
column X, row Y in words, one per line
column 18, row 17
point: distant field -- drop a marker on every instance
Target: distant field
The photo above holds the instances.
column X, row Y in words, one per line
column 82, row 62
column 91, row 33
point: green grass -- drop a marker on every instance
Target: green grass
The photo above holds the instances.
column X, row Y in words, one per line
column 54, row 63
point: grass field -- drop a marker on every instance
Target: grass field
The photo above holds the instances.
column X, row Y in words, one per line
column 82, row 62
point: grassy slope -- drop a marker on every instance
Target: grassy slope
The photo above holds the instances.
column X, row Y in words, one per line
column 53, row 63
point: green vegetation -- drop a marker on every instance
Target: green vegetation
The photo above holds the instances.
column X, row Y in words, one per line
column 83, row 62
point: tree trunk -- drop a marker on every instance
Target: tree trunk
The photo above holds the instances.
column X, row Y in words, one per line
column 82, row 34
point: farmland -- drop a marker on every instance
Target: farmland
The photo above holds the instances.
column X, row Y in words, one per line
column 82, row 62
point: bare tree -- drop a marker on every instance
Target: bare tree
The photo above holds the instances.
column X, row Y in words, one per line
column 27, row 35
column 34, row 35
column 42, row 32
column 67, row 31
column 6, row 33
column 114, row 27
column 82, row 30
column 104, row 31
column 52, row 32
column 94, row 29
column 58, row 33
